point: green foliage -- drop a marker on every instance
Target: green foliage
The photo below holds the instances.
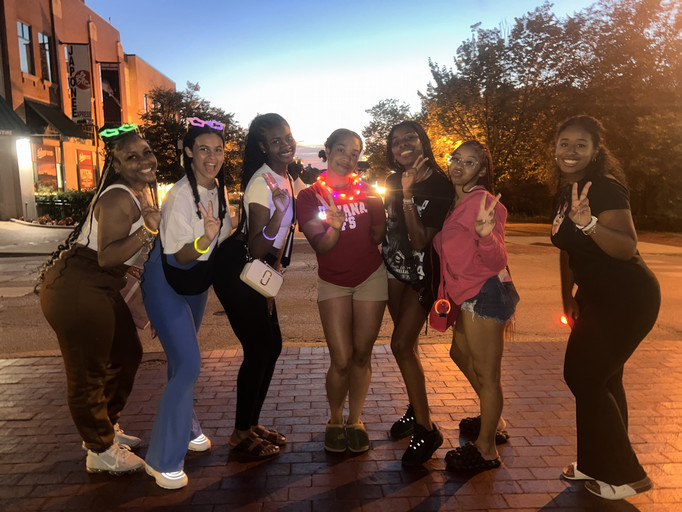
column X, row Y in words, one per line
column 618, row 60
column 385, row 115
column 61, row 206
column 164, row 126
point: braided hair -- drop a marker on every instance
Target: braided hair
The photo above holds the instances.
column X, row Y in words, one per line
column 188, row 142
column 109, row 176
column 486, row 160
column 254, row 157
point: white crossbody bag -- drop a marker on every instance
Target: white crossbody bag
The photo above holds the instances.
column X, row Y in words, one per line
column 262, row 277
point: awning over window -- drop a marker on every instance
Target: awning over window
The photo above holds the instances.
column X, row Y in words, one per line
column 10, row 122
column 54, row 117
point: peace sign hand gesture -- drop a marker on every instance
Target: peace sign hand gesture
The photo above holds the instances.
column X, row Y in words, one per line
column 580, row 213
column 485, row 221
column 211, row 223
column 281, row 199
column 410, row 175
column 335, row 216
column 150, row 213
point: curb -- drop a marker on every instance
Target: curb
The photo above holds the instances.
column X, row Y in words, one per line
column 35, row 225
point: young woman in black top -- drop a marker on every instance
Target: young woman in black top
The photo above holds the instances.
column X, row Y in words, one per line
column 614, row 307
column 418, row 197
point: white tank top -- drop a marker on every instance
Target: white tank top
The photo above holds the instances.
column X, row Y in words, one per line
column 88, row 236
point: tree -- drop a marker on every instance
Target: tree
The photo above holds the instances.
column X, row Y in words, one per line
column 165, row 124
column 385, row 114
column 618, row 60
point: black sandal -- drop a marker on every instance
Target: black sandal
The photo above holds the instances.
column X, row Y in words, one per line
column 471, row 426
column 468, row 459
column 271, row 436
column 254, row 448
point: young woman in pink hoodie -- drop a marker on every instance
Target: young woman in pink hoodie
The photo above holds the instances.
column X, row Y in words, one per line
column 474, row 272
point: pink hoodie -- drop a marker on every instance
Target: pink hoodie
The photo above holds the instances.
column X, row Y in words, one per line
column 467, row 260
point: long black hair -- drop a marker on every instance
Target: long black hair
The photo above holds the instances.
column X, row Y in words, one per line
column 254, row 156
column 603, row 162
column 486, row 161
column 188, row 142
column 109, row 176
column 423, row 138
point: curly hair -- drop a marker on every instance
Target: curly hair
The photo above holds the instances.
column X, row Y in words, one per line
column 603, row 162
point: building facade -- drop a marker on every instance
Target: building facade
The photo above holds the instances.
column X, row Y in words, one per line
column 63, row 76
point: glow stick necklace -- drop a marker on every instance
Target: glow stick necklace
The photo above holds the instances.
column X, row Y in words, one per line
column 355, row 184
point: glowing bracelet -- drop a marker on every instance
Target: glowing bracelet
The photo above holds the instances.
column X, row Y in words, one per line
column 144, row 225
column 200, row 251
column 267, row 237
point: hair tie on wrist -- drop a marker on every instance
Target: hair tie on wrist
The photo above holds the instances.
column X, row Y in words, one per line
column 196, row 247
column 266, row 236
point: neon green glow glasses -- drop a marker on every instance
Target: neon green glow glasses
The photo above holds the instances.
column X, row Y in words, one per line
column 113, row 132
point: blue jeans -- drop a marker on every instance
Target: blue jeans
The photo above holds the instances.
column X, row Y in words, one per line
column 176, row 319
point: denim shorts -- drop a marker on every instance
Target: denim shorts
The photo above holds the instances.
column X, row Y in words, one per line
column 496, row 300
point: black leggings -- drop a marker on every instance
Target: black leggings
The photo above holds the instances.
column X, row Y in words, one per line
column 260, row 337
column 612, row 323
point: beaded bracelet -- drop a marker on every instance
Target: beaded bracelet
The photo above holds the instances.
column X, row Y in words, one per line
column 267, row 237
column 144, row 236
column 196, row 247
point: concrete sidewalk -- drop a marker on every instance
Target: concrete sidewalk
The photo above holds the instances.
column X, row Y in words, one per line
column 42, row 466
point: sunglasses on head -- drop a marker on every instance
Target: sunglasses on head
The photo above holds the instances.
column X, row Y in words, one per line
column 113, row 132
column 216, row 125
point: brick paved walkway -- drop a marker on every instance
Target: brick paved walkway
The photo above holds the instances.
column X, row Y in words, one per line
column 42, row 465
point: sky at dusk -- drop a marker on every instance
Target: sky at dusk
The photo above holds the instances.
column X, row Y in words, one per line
column 319, row 64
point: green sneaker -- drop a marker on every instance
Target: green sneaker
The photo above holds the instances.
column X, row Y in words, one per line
column 335, row 438
column 358, row 440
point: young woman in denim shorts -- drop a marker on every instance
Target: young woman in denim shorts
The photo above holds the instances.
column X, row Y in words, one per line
column 474, row 271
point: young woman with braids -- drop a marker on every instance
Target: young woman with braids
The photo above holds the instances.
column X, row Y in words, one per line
column 344, row 221
column 267, row 225
column 613, row 308
column 80, row 298
column 418, row 196
column 194, row 220
column 474, row 274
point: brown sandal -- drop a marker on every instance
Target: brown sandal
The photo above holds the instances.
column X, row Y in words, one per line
column 255, row 447
column 271, row 436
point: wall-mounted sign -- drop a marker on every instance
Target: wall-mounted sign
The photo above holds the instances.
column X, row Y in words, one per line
column 80, row 81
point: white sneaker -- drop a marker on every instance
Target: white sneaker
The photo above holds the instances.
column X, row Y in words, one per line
column 173, row 480
column 117, row 460
column 199, row 444
column 121, row 438
column 131, row 442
